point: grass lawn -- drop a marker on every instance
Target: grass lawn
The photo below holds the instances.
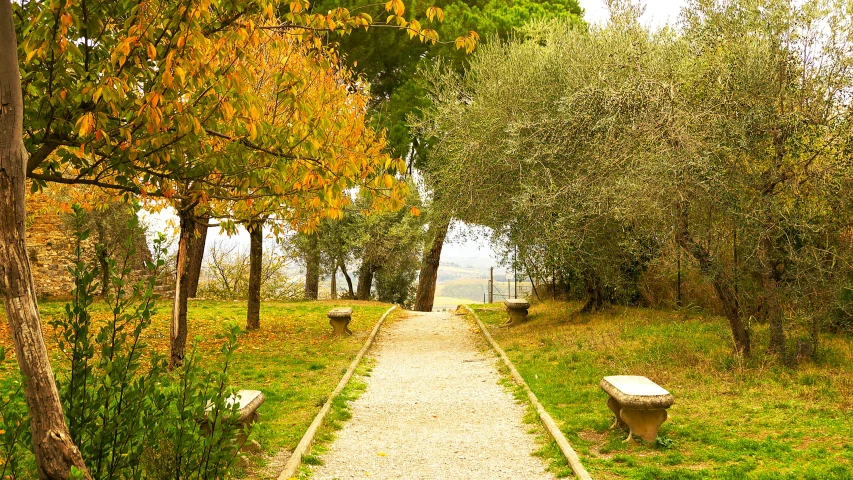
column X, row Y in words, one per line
column 732, row 419
column 292, row 359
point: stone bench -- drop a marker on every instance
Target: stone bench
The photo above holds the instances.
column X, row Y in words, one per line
column 339, row 319
column 638, row 403
column 248, row 402
column 517, row 309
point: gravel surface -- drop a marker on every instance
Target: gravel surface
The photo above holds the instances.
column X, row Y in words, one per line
column 433, row 409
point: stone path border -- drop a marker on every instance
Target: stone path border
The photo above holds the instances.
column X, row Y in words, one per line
column 296, row 457
column 547, row 421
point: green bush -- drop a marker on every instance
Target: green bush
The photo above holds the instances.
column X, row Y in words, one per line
column 842, row 318
column 129, row 415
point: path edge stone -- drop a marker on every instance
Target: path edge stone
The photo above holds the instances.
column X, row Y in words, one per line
column 304, row 445
column 547, row 421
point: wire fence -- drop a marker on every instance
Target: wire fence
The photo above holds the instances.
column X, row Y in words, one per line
column 499, row 291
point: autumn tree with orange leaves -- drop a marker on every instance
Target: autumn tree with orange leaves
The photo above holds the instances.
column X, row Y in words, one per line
column 130, row 96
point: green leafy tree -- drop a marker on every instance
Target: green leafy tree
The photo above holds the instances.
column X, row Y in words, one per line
column 391, row 66
column 727, row 139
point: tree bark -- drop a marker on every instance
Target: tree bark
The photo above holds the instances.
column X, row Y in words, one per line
column 348, row 279
column 197, row 257
column 722, row 285
column 54, row 449
column 333, row 289
column 594, row 294
column 425, row 297
column 178, row 333
column 256, row 256
column 105, row 272
column 769, row 286
column 365, row 281
column 312, row 268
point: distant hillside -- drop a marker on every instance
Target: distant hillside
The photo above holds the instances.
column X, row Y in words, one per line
column 454, row 271
column 468, row 288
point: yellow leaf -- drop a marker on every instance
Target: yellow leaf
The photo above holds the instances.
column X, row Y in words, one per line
column 435, row 13
column 181, row 73
column 416, row 212
column 86, row 123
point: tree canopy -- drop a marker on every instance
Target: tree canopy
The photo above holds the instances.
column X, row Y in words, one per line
column 605, row 152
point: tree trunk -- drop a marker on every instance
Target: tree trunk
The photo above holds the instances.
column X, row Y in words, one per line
column 256, row 256
column 105, row 272
column 365, row 281
column 722, row 285
column 769, row 286
column 333, row 290
column 594, row 294
column 348, row 279
column 312, row 268
column 178, row 333
column 54, row 449
column 197, row 257
column 428, row 278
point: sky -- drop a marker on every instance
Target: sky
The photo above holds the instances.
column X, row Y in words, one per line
column 658, row 12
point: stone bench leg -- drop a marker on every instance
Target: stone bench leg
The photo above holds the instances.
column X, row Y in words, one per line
column 340, row 326
column 517, row 316
column 614, row 407
column 244, row 434
column 643, row 423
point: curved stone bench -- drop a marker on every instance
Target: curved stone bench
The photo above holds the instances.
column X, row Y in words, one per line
column 339, row 319
column 638, row 403
column 517, row 309
column 248, row 402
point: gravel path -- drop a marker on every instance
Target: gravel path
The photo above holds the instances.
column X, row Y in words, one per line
column 433, row 409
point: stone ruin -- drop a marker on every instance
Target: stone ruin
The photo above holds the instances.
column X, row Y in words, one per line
column 51, row 242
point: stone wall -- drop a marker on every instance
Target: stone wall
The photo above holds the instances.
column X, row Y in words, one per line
column 51, row 243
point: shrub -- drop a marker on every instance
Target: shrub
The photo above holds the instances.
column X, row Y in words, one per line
column 129, row 415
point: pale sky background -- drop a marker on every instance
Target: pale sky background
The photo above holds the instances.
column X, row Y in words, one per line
column 478, row 251
column 658, row 12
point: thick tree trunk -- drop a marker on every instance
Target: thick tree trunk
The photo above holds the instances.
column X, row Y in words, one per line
column 348, row 279
column 197, row 257
column 54, row 449
column 722, row 285
column 429, row 266
column 333, row 289
column 178, row 333
column 365, row 281
column 594, row 294
column 256, row 256
column 312, row 268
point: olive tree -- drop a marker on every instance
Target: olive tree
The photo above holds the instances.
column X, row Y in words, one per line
column 726, row 137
